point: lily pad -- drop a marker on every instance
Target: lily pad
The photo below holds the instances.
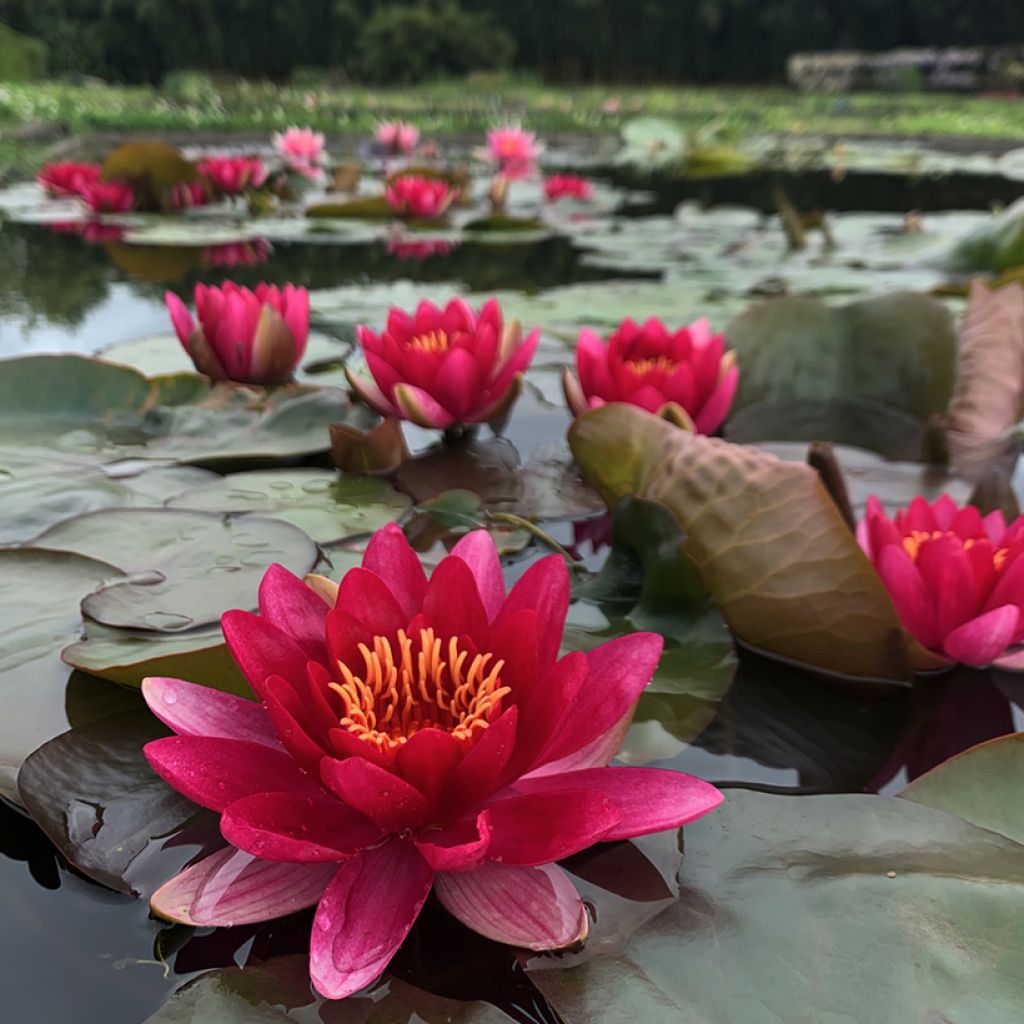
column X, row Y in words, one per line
column 772, row 549
column 87, row 409
column 826, row 908
column 40, row 592
column 327, row 506
column 192, row 566
column 363, row 208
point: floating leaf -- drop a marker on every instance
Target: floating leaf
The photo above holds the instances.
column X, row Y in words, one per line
column 95, row 795
column 193, row 566
column 40, row 592
column 825, row 908
column 152, row 167
column 772, row 548
column 994, row 246
column 364, row 208
column 327, row 506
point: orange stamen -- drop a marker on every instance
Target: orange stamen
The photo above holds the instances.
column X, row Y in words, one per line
column 403, row 691
column 435, row 341
column 912, row 545
column 652, row 364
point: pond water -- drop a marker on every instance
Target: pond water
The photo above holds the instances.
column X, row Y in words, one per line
column 73, row 950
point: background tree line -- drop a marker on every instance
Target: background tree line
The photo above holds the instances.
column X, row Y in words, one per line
column 561, row 40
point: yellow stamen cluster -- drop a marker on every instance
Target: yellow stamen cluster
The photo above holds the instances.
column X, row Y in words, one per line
column 416, row 687
column 642, row 367
column 435, row 341
column 912, row 545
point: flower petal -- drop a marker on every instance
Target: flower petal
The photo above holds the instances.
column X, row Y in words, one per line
column 459, row 848
column 216, row 772
column 479, row 773
column 364, row 916
column 544, row 589
column 231, row 887
column 648, row 799
column 420, row 408
column 297, row 829
column 382, row 796
column 548, row 825
column 452, row 602
column 261, row 650
column 532, row 908
column 180, row 318
column 478, row 551
column 372, row 395
column 909, row 594
column 980, row 641
column 287, row 603
column 391, row 557
column 193, row 710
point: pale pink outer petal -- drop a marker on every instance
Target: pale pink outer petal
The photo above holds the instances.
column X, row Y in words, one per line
column 531, row 908
column 574, row 397
column 372, row 395
column 420, row 408
column 980, row 641
column 478, row 551
column 231, row 887
column 193, row 710
column 364, row 915
column 596, row 754
column 716, row 408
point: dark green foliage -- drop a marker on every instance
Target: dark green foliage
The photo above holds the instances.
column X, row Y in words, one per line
column 564, row 40
column 21, row 58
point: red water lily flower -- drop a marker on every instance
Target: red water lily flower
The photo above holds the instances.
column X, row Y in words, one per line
column 68, row 178
column 108, row 196
column 514, row 151
column 412, row 735
column 438, row 368
column 398, row 137
column 420, row 198
column 186, row 194
column 255, row 337
column 232, row 175
column 238, row 254
column 568, row 186
column 955, row 576
column 686, row 374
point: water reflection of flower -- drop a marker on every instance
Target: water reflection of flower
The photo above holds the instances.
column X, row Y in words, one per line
column 238, row 254
column 420, row 250
column 92, row 231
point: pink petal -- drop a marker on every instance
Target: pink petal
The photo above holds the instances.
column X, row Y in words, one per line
column 648, row 799
column 595, row 754
column 216, row 772
column 389, row 556
column 231, row 887
column 364, row 916
column 371, row 394
column 909, row 594
column 980, row 641
column 297, row 829
column 193, row 710
column 383, row 797
column 459, row 848
column 420, row 408
column 949, row 578
column 370, row 600
column 295, row 726
column 180, row 318
column 452, row 602
column 548, row 825
column 478, row 551
column 619, row 670
column 480, row 772
column 426, row 761
column 543, row 588
column 287, row 603
column 532, row 908
column 574, row 397
column 457, row 385
column 261, row 650
column 717, row 407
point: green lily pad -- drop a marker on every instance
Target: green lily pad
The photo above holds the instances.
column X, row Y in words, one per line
column 994, row 246
column 363, row 208
column 193, row 566
column 40, row 592
column 772, row 549
column 898, row 350
column 88, row 409
column 827, row 908
column 95, row 795
column 982, row 785
column 326, row 505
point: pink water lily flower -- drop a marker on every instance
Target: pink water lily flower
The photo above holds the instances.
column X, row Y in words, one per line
column 186, row 194
column 398, row 137
column 68, row 178
column 108, row 196
column 514, row 150
column 568, row 186
column 254, row 337
column 438, row 368
column 232, row 175
column 420, row 250
column 411, row 736
column 686, row 374
column 419, row 198
column 302, row 150
column 238, row 254
column 955, row 576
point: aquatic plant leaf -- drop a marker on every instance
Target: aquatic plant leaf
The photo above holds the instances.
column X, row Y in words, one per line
column 772, row 548
column 854, row 908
